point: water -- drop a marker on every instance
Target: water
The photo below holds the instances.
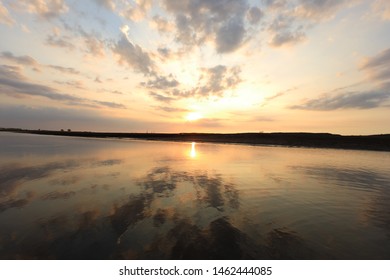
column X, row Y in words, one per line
column 74, row 198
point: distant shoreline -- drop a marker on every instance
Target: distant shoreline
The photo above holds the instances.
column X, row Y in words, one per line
column 310, row 140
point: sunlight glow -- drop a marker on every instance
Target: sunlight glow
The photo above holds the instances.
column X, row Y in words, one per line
column 193, row 116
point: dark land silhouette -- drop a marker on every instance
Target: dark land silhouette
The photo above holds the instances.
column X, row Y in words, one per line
column 380, row 142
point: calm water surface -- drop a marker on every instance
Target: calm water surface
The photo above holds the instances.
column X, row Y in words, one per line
column 74, row 198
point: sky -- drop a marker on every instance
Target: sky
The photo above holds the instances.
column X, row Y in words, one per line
column 196, row 66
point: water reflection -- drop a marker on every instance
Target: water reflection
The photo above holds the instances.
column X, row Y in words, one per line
column 134, row 200
column 360, row 178
column 193, row 151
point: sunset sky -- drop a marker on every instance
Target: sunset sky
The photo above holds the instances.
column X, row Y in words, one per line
column 196, row 66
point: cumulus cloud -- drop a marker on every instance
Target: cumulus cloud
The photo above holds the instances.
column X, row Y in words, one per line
column 230, row 36
column 284, row 30
column 14, row 84
column 138, row 11
column 290, row 20
column 46, row 9
column 93, row 44
column 254, row 15
column 165, row 52
column 161, row 82
column 287, row 38
column 349, row 100
column 5, row 17
column 213, row 82
column 227, row 25
column 134, row 56
column 199, row 21
column 161, row 24
column 216, row 80
column 130, row 10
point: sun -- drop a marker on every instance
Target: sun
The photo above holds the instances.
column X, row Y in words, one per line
column 193, row 116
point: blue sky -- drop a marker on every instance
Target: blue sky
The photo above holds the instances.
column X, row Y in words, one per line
column 207, row 66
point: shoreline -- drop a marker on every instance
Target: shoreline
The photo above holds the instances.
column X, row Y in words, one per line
column 286, row 139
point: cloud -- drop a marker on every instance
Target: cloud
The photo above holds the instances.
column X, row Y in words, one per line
column 199, row 21
column 26, row 60
column 108, row 4
column 134, row 56
column 161, row 82
column 379, row 60
column 213, row 82
column 378, row 66
column 254, row 15
column 46, row 9
column 74, row 118
column 170, row 109
column 284, row 31
column 14, row 84
column 216, row 80
column 230, row 36
column 206, row 122
column 161, row 24
column 66, row 70
column 287, row 38
column 93, row 44
column 72, row 83
column 5, row 17
column 13, row 175
column 349, row 100
column 319, row 9
column 382, row 8
column 378, row 69
column 57, row 195
column 61, row 42
column 290, row 20
column 110, row 104
column 165, row 52
column 14, row 203
column 262, row 119
column 22, row 60
column 127, row 9
column 138, row 11
column 278, row 95
column 161, row 98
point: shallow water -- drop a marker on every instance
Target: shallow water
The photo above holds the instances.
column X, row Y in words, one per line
column 75, row 198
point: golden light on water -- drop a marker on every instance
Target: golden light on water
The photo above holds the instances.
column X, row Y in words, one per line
column 193, row 150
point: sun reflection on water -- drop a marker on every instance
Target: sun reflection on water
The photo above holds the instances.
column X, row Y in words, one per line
column 193, row 150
